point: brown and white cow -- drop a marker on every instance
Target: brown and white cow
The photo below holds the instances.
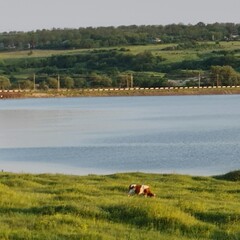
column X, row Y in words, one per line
column 140, row 190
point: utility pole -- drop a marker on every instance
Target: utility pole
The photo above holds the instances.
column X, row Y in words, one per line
column 199, row 79
column 127, row 82
column 34, row 82
column 131, row 80
column 58, row 82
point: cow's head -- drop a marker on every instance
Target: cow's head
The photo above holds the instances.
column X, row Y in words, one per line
column 132, row 189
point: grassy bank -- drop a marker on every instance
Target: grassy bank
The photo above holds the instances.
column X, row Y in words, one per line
column 97, row 207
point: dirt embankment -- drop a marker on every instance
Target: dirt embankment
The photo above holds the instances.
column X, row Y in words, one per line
column 118, row 92
column 4, row 95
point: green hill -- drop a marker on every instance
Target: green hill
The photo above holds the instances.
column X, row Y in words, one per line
column 48, row 206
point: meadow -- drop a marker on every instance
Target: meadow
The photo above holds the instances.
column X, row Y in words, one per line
column 167, row 51
column 52, row 206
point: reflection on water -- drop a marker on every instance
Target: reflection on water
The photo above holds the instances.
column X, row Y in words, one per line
column 181, row 134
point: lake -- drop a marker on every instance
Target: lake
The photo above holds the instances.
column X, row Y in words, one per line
column 196, row 135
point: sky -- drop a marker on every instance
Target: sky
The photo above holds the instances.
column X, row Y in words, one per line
column 31, row 15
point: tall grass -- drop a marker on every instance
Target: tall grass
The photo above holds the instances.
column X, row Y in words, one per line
column 97, row 207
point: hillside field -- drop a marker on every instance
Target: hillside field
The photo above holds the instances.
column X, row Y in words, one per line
column 48, row 206
column 166, row 50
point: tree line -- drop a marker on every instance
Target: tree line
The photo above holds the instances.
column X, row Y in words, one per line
column 216, row 76
column 117, row 36
column 112, row 68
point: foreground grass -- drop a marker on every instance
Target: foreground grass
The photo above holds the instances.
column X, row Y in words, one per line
column 97, row 207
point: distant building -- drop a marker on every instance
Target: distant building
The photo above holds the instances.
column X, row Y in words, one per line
column 11, row 46
column 233, row 37
column 157, row 40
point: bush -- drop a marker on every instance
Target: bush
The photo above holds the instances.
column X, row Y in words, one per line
column 231, row 176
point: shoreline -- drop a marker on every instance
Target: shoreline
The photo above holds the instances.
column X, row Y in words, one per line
column 177, row 91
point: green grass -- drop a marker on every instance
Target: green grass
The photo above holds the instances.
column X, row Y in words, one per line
column 158, row 49
column 37, row 53
column 97, row 207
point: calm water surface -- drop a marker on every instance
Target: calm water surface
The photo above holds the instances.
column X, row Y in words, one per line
column 197, row 135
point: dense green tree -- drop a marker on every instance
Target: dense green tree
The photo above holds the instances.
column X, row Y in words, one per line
column 52, row 83
column 4, row 82
column 145, row 79
column 224, row 75
column 97, row 80
column 80, row 82
column 43, row 85
column 25, row 84
column 67, row 82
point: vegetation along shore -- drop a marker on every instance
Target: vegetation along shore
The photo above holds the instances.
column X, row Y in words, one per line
column 124, row 57
column 44, row 206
